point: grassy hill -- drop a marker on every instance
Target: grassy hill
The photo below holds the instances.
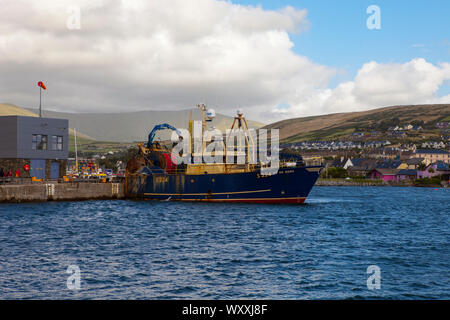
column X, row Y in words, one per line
column 7, row 109
column 89, row 147
column 134, row 126
column 341, row 125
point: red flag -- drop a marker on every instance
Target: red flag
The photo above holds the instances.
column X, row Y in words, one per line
column 42, row 85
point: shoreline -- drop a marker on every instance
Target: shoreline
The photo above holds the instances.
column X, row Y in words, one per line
column 370, row 183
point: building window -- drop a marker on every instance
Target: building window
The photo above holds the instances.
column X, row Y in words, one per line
column 39, row 142
column 57, row 143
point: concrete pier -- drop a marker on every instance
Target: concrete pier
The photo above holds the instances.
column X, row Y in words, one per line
column 60, row 191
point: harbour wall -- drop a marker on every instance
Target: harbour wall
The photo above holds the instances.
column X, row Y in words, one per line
column 67, row 191
column 74, row 191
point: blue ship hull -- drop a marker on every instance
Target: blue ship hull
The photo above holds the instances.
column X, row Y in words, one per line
column 289, row 185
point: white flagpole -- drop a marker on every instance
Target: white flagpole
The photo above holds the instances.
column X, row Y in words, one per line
column 40, row 102
column 76, row 150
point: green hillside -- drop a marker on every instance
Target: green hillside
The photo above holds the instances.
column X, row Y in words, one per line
column 342, row 125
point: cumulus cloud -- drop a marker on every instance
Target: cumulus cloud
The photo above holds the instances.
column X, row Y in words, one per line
column 378, row 84
column 172, row 54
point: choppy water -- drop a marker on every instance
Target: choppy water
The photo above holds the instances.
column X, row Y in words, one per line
column 154, row 250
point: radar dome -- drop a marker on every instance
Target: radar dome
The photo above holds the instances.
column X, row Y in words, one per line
column 210, row 114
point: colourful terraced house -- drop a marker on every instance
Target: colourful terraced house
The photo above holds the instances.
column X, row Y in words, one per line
column 434, row 169
column 387, row 175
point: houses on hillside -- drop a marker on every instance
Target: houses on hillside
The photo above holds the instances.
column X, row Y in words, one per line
column 406, row 174
column 443, row 125
column 434, row 169
column 393, row 175
column 433, row 155
column 420, row 164
column 414, row 163
column 397, row 134
column 361, row 167
column 407, row 127
column 433, row 145
column 325, row 145
column 336, row 145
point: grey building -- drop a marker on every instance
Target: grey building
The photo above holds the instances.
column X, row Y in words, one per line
column 37, row 147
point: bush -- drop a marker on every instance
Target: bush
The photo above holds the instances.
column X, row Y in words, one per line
column 334, row 173
column 430, row 181
column 359, row 178
column 421, row 166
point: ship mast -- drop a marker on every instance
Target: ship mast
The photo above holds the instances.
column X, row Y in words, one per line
column 240, row 124
column 202, row 107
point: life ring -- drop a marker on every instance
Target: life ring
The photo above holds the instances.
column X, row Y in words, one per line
column 26, row 167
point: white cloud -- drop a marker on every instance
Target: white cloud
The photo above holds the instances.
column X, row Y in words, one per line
column 152, row 55
column 172, row 54
column 377, row 85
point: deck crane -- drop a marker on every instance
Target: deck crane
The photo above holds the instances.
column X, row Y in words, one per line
column 158, row 127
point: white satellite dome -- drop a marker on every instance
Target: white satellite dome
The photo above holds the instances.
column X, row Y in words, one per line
column 210, row 114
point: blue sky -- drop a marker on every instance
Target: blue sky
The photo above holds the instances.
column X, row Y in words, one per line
column 338, row 36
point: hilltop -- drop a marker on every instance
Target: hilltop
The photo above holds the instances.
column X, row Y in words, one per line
column 134, row 126
column 342, row 125
column 7, row 109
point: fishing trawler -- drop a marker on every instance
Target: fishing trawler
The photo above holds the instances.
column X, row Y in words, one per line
column 159, row 173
